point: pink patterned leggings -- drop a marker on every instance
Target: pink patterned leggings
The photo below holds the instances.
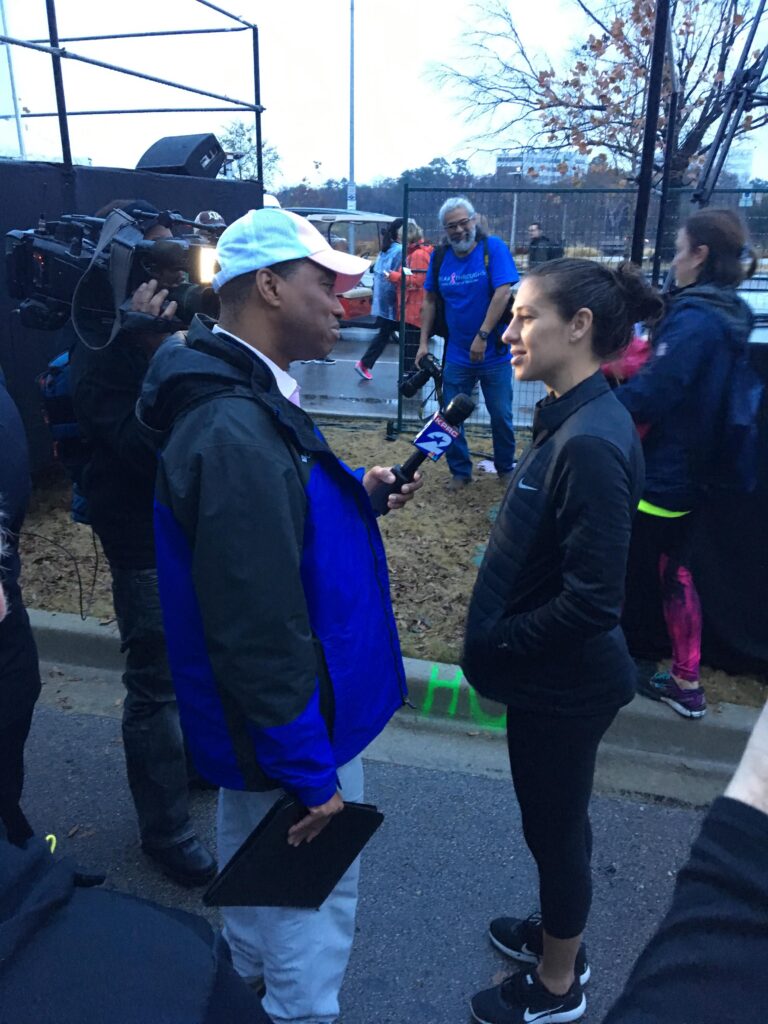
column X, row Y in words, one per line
column 682, row 614
column 661, row 593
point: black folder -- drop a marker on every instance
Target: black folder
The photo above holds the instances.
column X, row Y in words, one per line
column 267, row 872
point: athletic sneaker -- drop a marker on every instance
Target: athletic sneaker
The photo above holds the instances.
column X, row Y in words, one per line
column 363, row 370
column 522, row 999
column 662, row 686
column 523, row 940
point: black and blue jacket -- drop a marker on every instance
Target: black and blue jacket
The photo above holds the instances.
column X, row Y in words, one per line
column 681, row 391
column 273, row 576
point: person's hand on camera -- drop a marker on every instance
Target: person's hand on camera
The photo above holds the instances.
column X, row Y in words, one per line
column 477, row 349
column 150, row 299
column 420, row 353
column 381, row 475
column 315, row 821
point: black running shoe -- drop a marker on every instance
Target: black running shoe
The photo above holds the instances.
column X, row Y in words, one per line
column 522, row 941
column 522, row 999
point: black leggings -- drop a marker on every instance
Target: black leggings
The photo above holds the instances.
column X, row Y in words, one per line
column 553, row 765
column 386, row 329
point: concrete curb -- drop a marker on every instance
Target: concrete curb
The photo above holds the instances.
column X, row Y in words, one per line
column 66, row 638
column 648, row 749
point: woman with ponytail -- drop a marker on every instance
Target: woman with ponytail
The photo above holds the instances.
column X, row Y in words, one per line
column 680, row 397
column 543, row 633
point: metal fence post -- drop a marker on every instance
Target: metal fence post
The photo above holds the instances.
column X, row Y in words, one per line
column 257, row 102
column 401, row 354
column 651, row 124
column 58, row 82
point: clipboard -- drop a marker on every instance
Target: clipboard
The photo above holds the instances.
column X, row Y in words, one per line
column 267, row 872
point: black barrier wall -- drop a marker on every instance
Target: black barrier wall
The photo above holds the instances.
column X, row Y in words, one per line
column 28, row 190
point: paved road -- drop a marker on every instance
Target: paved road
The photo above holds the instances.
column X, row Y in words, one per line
column 338, row 390
column 449, row 857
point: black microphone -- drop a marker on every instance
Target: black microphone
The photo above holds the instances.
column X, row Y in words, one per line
column 431, row 441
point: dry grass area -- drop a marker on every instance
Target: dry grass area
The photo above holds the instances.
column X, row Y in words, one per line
column 434, row 547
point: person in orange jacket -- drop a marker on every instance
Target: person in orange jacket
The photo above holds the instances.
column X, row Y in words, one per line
column 415, row 270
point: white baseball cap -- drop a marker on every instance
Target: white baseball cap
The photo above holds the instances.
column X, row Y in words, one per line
column 265, row 237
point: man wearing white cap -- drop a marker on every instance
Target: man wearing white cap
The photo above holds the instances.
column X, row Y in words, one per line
column 273, row 578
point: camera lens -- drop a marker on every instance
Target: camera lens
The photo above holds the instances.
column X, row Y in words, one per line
column 192, row 299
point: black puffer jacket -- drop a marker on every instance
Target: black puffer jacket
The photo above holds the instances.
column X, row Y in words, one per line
column 543, row 626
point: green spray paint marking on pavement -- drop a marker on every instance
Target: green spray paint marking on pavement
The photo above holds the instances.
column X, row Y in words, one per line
column 453, row 686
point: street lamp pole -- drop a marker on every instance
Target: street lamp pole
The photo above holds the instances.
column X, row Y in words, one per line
column 351, row 188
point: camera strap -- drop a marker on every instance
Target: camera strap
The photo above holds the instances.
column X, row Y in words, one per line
column 116, row 221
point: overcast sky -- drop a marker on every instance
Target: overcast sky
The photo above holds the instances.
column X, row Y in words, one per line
column 403, row 119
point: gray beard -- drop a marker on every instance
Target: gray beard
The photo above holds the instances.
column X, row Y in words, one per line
column 465, row 246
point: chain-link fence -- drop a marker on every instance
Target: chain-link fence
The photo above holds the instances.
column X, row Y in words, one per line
column 588, row 222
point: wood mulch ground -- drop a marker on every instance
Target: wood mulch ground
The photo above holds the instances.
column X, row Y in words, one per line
column 434, row 548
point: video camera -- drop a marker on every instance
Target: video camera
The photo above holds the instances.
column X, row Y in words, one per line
column 428, row 369
column 88, row 267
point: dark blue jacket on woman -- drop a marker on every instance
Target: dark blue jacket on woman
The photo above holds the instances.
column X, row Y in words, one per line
column 681, row 392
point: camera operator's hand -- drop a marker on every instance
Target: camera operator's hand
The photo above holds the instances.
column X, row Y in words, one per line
column 314, row 822
column 381, row 475
column 420, row 353
column 477, row 349
column 151, row 299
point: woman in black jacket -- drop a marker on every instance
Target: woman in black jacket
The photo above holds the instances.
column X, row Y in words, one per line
column 543, row 634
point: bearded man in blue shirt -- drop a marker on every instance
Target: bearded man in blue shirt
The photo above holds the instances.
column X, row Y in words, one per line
column 471, row 277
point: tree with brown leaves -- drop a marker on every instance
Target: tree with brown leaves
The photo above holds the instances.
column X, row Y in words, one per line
column 597, row 101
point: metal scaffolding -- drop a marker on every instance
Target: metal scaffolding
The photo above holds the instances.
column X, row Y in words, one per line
column 53, row 46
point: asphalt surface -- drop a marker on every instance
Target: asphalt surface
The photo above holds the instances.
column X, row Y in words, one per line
column 337, row 389
column 448, row 858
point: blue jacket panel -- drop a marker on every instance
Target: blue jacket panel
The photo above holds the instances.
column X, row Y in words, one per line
column 281, row 636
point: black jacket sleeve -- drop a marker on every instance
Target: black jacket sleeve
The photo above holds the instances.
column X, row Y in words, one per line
column 706, row 964
column 106, row 387
column 592, row 499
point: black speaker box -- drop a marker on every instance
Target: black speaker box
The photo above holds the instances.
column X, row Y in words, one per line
column 197, row 156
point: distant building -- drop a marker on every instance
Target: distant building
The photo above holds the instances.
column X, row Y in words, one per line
column 739, row 164
column 544, row 167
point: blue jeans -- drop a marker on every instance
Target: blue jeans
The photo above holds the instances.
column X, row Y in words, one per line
column 496, row 385
column 155, row 758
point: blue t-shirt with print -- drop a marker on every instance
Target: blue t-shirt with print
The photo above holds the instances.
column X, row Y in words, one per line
column 466, row 288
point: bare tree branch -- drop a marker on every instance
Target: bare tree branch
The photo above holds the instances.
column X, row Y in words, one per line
column 595, row 100
column 593, row 16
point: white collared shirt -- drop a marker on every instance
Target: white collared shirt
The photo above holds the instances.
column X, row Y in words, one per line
column 286, row 384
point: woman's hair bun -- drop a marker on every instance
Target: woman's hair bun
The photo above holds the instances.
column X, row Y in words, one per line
column 643, row 302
